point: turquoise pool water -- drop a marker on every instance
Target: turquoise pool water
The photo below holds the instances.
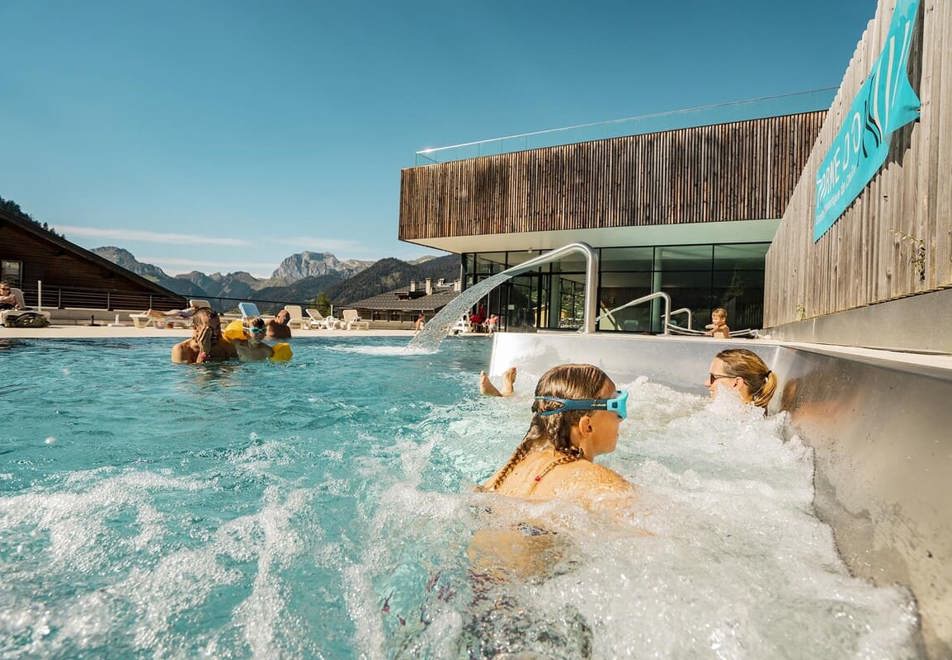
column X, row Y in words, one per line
column 324, row 507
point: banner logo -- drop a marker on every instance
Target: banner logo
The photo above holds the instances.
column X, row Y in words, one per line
column 885, row 103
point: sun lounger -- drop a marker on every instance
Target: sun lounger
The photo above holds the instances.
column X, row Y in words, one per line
column 297, row 318
column 352, row 321
column 315, row 320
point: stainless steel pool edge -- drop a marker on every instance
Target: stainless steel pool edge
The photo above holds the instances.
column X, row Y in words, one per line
column 880, row 425
column 916, row 323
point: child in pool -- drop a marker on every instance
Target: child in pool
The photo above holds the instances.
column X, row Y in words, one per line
column 206, row 342
column 718, row 325
column 575, row 418
column 254, row 349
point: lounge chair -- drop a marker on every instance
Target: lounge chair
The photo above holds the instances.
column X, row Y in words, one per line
column 143, row 320
column 248, row 310
column 297, row 318
column 352, row 321
column 315, row 320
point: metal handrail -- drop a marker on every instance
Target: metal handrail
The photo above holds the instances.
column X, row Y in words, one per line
column 644, row 299
column 591, row 276
column 684, row 310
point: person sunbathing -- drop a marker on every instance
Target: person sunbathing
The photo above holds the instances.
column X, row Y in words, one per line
column 575, row 418
column 206, row 343
column 10, row 297
column 487, row 388
column 744, row 373
column 186, row 313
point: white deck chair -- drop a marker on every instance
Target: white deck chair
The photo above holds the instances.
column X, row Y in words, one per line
column 297, row 317
column 352, row 321
column 315, row 320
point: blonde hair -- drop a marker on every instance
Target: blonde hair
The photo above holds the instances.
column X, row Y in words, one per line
column 566, row 381
column 760, row 380
column 720, row 311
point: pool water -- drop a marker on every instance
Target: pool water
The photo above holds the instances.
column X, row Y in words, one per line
column 324, row 507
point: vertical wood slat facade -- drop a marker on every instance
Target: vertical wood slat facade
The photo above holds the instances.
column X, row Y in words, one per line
column 896, row 238
column 743, row 170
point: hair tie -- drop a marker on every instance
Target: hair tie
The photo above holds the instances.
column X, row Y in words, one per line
column 767, row 375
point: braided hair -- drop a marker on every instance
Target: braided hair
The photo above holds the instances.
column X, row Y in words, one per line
column 760, row 380
column 567, row 381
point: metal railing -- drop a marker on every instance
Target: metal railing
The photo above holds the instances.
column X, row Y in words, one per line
column 46, row 296
column 685, row 310
column 638, row 301
column 705, row 115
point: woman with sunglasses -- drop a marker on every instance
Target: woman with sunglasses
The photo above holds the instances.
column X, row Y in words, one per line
column 744, row 373
column 575, row 417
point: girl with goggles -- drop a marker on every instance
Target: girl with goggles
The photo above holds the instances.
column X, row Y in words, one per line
column 576, row 413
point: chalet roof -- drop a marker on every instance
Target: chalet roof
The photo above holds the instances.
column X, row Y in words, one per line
column 62, row 243
column 391, row 301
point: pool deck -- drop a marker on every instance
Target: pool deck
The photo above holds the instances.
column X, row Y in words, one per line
column 128, row 332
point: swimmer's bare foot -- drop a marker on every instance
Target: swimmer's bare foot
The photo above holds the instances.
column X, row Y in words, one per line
column 508, row 380
column 486, row 387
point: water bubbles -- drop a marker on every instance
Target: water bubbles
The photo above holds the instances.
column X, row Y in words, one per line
column 50, row 440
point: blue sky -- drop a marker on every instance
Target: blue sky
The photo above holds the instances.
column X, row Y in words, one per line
column 222, row 136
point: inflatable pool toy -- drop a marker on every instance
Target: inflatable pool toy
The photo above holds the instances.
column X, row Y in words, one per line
column 282, row 352
column 235, row 331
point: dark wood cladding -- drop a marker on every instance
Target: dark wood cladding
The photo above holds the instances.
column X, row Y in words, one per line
column 82, row 275
column 737, row 171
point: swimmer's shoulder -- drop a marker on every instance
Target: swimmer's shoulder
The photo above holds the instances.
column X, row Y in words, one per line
column 592, row 477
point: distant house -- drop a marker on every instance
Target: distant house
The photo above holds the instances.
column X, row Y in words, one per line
column 401, row 307
column 72, row 277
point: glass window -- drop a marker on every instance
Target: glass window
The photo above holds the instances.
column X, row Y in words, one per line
column 691, row 289
column 742, row 256
column 616, row 290
column 741, row 293
column 10, row 272
column 629, row 258
column 490, row 262
column 683, row 257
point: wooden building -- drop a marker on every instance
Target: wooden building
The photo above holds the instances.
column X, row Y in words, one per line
column 690, row 211
column 72, row 277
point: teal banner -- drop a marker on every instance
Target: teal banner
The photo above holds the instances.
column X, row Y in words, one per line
column 885, row 102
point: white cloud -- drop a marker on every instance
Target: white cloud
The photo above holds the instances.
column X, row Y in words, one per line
column 118, row 234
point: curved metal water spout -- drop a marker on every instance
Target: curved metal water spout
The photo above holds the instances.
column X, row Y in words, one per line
column 591, row 275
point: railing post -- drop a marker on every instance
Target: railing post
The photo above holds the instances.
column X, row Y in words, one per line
column 39, row 295
column 108, row 301
column 59, row 297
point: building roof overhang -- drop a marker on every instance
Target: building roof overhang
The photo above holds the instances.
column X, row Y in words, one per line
column 737, row 231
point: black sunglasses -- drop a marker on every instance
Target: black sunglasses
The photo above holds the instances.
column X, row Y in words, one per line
column 714, row 377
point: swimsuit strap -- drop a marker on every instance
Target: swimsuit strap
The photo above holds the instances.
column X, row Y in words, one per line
column 562, row 460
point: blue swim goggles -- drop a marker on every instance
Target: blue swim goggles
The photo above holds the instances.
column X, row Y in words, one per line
column 617, row 404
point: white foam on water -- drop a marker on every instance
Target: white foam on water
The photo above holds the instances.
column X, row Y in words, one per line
column 722, row 556
column 157, row 586
column 382, row 351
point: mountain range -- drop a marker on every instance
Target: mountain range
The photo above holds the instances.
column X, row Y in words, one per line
column 299, row 278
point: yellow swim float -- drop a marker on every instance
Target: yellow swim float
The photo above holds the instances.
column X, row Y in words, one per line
column 282, row 352
column 235, row 331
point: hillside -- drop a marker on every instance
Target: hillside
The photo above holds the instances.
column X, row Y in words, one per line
column 388, row 274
